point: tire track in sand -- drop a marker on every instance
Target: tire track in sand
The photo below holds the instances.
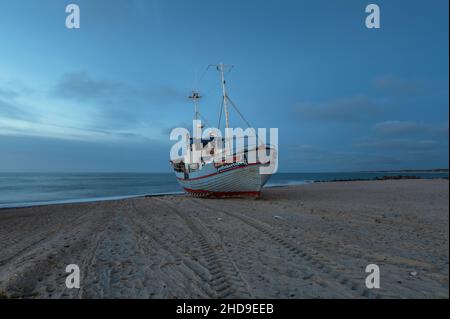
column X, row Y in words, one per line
column 324, row 265
column 155, row 235
column 226, row 279
column 88, row 263
column 45, row 236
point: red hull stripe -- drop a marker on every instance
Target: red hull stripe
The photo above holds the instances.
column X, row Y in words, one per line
column 221, row 194
column 225, row 170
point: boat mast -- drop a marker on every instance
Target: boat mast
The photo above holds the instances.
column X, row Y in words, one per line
column 220, row 67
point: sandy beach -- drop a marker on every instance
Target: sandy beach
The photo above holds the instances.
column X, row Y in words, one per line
column 308, row 241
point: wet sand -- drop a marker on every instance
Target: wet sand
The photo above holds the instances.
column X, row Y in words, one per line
column 309, row 241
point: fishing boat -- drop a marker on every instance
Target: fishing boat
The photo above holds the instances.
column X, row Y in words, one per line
column 222, row 168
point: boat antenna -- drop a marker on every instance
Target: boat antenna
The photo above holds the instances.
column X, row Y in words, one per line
column 195, row 96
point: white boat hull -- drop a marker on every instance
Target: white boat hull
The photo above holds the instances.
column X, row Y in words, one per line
column 234, row 180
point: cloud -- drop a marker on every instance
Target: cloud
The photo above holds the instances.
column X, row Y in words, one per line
column 406, row 136
column 398, row 128
column 14, row 111
column 354, row 109
column 9, row 94
column 305, row 157
column 165, row 94
column 412, row 130
column 405, row 153
column 41, row 154
column 388, row 144
column 366, row 154
column 400, row 145
column 311, row 158
column 81, row 86
column 14, row 89
column 399, row 86
column 392, row 145
column 114, row 104
column 19, row 127
column 395, row 92
column 11, row 102
column 82, row 107
column 405, row 128
column 19, row 119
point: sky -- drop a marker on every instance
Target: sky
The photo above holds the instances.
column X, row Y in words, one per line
column 103, row 98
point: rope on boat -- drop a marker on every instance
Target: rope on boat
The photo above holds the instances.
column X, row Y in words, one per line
column 239, row 112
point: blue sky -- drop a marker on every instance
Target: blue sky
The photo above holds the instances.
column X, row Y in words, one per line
column 103, row 98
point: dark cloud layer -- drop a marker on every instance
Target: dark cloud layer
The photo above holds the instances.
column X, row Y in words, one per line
column 368, row 155
column 82, row 87
column 116, row 104
column 366, row 138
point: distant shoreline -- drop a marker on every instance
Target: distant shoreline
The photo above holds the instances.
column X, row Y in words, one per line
column 383, row 178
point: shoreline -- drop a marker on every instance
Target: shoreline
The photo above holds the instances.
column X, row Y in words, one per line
column 295, row 242
column 83, row 200
column 7, row 206
column 113, row 198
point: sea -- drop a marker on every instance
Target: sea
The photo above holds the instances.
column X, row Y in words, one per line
column 34, row 189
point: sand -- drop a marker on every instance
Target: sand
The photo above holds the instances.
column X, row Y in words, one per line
column 309, row 241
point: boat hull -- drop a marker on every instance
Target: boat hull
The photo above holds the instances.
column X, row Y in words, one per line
column 237, row 180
